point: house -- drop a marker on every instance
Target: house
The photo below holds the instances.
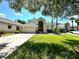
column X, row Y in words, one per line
column 33, row 25
column 8, row 25
column 29, row 28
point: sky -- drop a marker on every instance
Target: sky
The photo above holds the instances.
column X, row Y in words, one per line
column 25, row 15
column 9, row 13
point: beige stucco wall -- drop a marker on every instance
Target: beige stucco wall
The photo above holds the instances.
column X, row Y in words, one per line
column 28, row 29
column 4, row 27
column 44, row 27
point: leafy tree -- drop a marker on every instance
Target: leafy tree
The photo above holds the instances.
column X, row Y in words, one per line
column 77, row 21
column 0, row 1
column 53, row 8
column 21, row 21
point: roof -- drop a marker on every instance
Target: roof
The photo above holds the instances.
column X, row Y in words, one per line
column 36, row 20
column 8, row 21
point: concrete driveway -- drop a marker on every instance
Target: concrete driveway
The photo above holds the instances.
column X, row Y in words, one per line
column 75, row 32
column 9, row 43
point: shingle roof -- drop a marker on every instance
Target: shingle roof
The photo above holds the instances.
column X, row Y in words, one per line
column 8, row 21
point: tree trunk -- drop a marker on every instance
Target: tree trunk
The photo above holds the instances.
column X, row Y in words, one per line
column 72, row 25
column 0, row 35
column 56, row 23
column 77, row 26
column 52, row 24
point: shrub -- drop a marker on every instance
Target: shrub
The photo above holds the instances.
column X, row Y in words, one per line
column 1, row 32
column 56, row 31
column 49, row 31
column 63, row 30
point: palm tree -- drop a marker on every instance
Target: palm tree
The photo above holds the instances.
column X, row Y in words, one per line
column 72, row 19
column 77, row 21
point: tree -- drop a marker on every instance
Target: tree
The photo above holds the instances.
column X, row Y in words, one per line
column 72, row 19
column 77, row 21
column 53, row 8
column 21, row 21
column 0, row 1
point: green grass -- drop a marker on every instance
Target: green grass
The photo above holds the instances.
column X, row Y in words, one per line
column 7, row 34
column 48, row 46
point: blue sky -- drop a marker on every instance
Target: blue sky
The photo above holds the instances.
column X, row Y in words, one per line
column 9, row 13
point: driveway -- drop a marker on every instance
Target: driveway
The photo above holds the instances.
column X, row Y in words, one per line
column 75, row 32
column 9, row 43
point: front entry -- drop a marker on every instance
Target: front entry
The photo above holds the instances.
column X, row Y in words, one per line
column 40, row 26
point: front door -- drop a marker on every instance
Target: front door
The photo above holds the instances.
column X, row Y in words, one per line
column 40, row 26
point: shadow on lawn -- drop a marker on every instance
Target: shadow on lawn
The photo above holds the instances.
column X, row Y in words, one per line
column 31, row 50
column 2, row 45
column 74, row 46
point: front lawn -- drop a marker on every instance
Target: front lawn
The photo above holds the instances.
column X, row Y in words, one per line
column 48, row 46
column 7, row 34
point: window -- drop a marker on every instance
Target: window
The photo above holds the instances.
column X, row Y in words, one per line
column 9, row 27
column 17, row 28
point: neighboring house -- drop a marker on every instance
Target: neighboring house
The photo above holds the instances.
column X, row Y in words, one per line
column 49, row 24
column 61, row 26
column 32, row 25
column 8, row 26
column 74, row 27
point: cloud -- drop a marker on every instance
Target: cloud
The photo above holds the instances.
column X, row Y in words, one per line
column 18, row 14
column 74, row 16
column 2, row 15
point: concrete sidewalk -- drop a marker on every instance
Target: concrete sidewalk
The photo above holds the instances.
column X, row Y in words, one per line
column 9, row 43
